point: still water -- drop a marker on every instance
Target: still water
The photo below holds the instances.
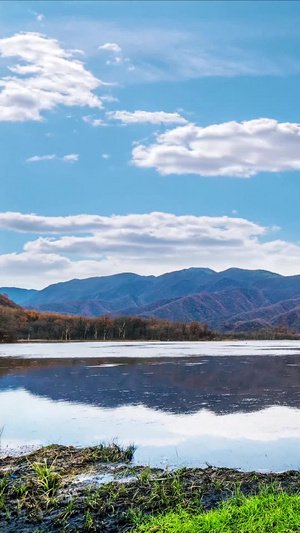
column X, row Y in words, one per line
column 234, row 404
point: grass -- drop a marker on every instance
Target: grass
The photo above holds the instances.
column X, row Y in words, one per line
column 20, row 491
column 112, row 453
column 48, row 478
column 269, row 511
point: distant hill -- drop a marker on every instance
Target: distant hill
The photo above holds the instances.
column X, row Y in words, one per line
column 232, row 300
column 18, row 295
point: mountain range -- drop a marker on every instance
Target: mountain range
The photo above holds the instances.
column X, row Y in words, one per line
column 232, row 300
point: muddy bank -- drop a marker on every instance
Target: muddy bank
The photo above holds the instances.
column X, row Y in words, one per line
column 65, row 489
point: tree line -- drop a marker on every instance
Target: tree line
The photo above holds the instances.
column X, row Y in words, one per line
column 20, row 324
column 276, row 333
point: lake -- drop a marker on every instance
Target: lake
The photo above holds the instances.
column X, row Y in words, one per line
column 234, row 404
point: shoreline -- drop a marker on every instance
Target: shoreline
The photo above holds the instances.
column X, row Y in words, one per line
column 59, row 488
column 101, row 341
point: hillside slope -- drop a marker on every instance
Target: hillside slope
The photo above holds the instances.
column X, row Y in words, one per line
column 6, row 302
column 211, row 308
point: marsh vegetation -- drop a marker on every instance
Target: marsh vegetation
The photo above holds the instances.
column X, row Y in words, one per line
column 62, row 489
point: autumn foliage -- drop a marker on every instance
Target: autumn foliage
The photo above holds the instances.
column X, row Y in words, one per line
column 17, row 324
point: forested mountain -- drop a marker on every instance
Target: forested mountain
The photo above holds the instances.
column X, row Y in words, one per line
column 232, row 300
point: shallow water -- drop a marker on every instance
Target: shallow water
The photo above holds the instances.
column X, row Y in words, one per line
column 234, row 404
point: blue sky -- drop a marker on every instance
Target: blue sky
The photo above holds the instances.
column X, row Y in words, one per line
column 148, row 137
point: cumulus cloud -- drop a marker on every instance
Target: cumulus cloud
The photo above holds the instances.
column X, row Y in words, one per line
column 91, row 245
column 49, row 77
column 151, row 117
column 111, row 47
column 71, row 158
column 227, row 149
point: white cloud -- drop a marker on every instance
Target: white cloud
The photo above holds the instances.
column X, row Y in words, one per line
column 50, row 77
column 41, row 158
column 118, row 60
column 228, row 149
column 153, row 243
column 71, row 158
column 151, row 117
column 157, row 237
column 95, row 122
column 39, row 270
column 111, row 47
column 105, row 156
column 156, row 224
column 13, row 263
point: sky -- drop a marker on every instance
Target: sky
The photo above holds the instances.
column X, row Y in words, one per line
column 148, row 137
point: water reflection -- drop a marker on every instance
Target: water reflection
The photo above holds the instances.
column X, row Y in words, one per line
column 230, row 411
column 221, row 384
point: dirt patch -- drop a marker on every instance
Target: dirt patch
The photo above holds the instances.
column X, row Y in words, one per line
column 66, row 489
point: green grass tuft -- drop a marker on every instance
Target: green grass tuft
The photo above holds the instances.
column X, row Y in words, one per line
column 48, row 478
column 265, row 513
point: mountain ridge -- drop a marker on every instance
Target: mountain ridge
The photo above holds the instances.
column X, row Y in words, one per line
column 226, row 300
